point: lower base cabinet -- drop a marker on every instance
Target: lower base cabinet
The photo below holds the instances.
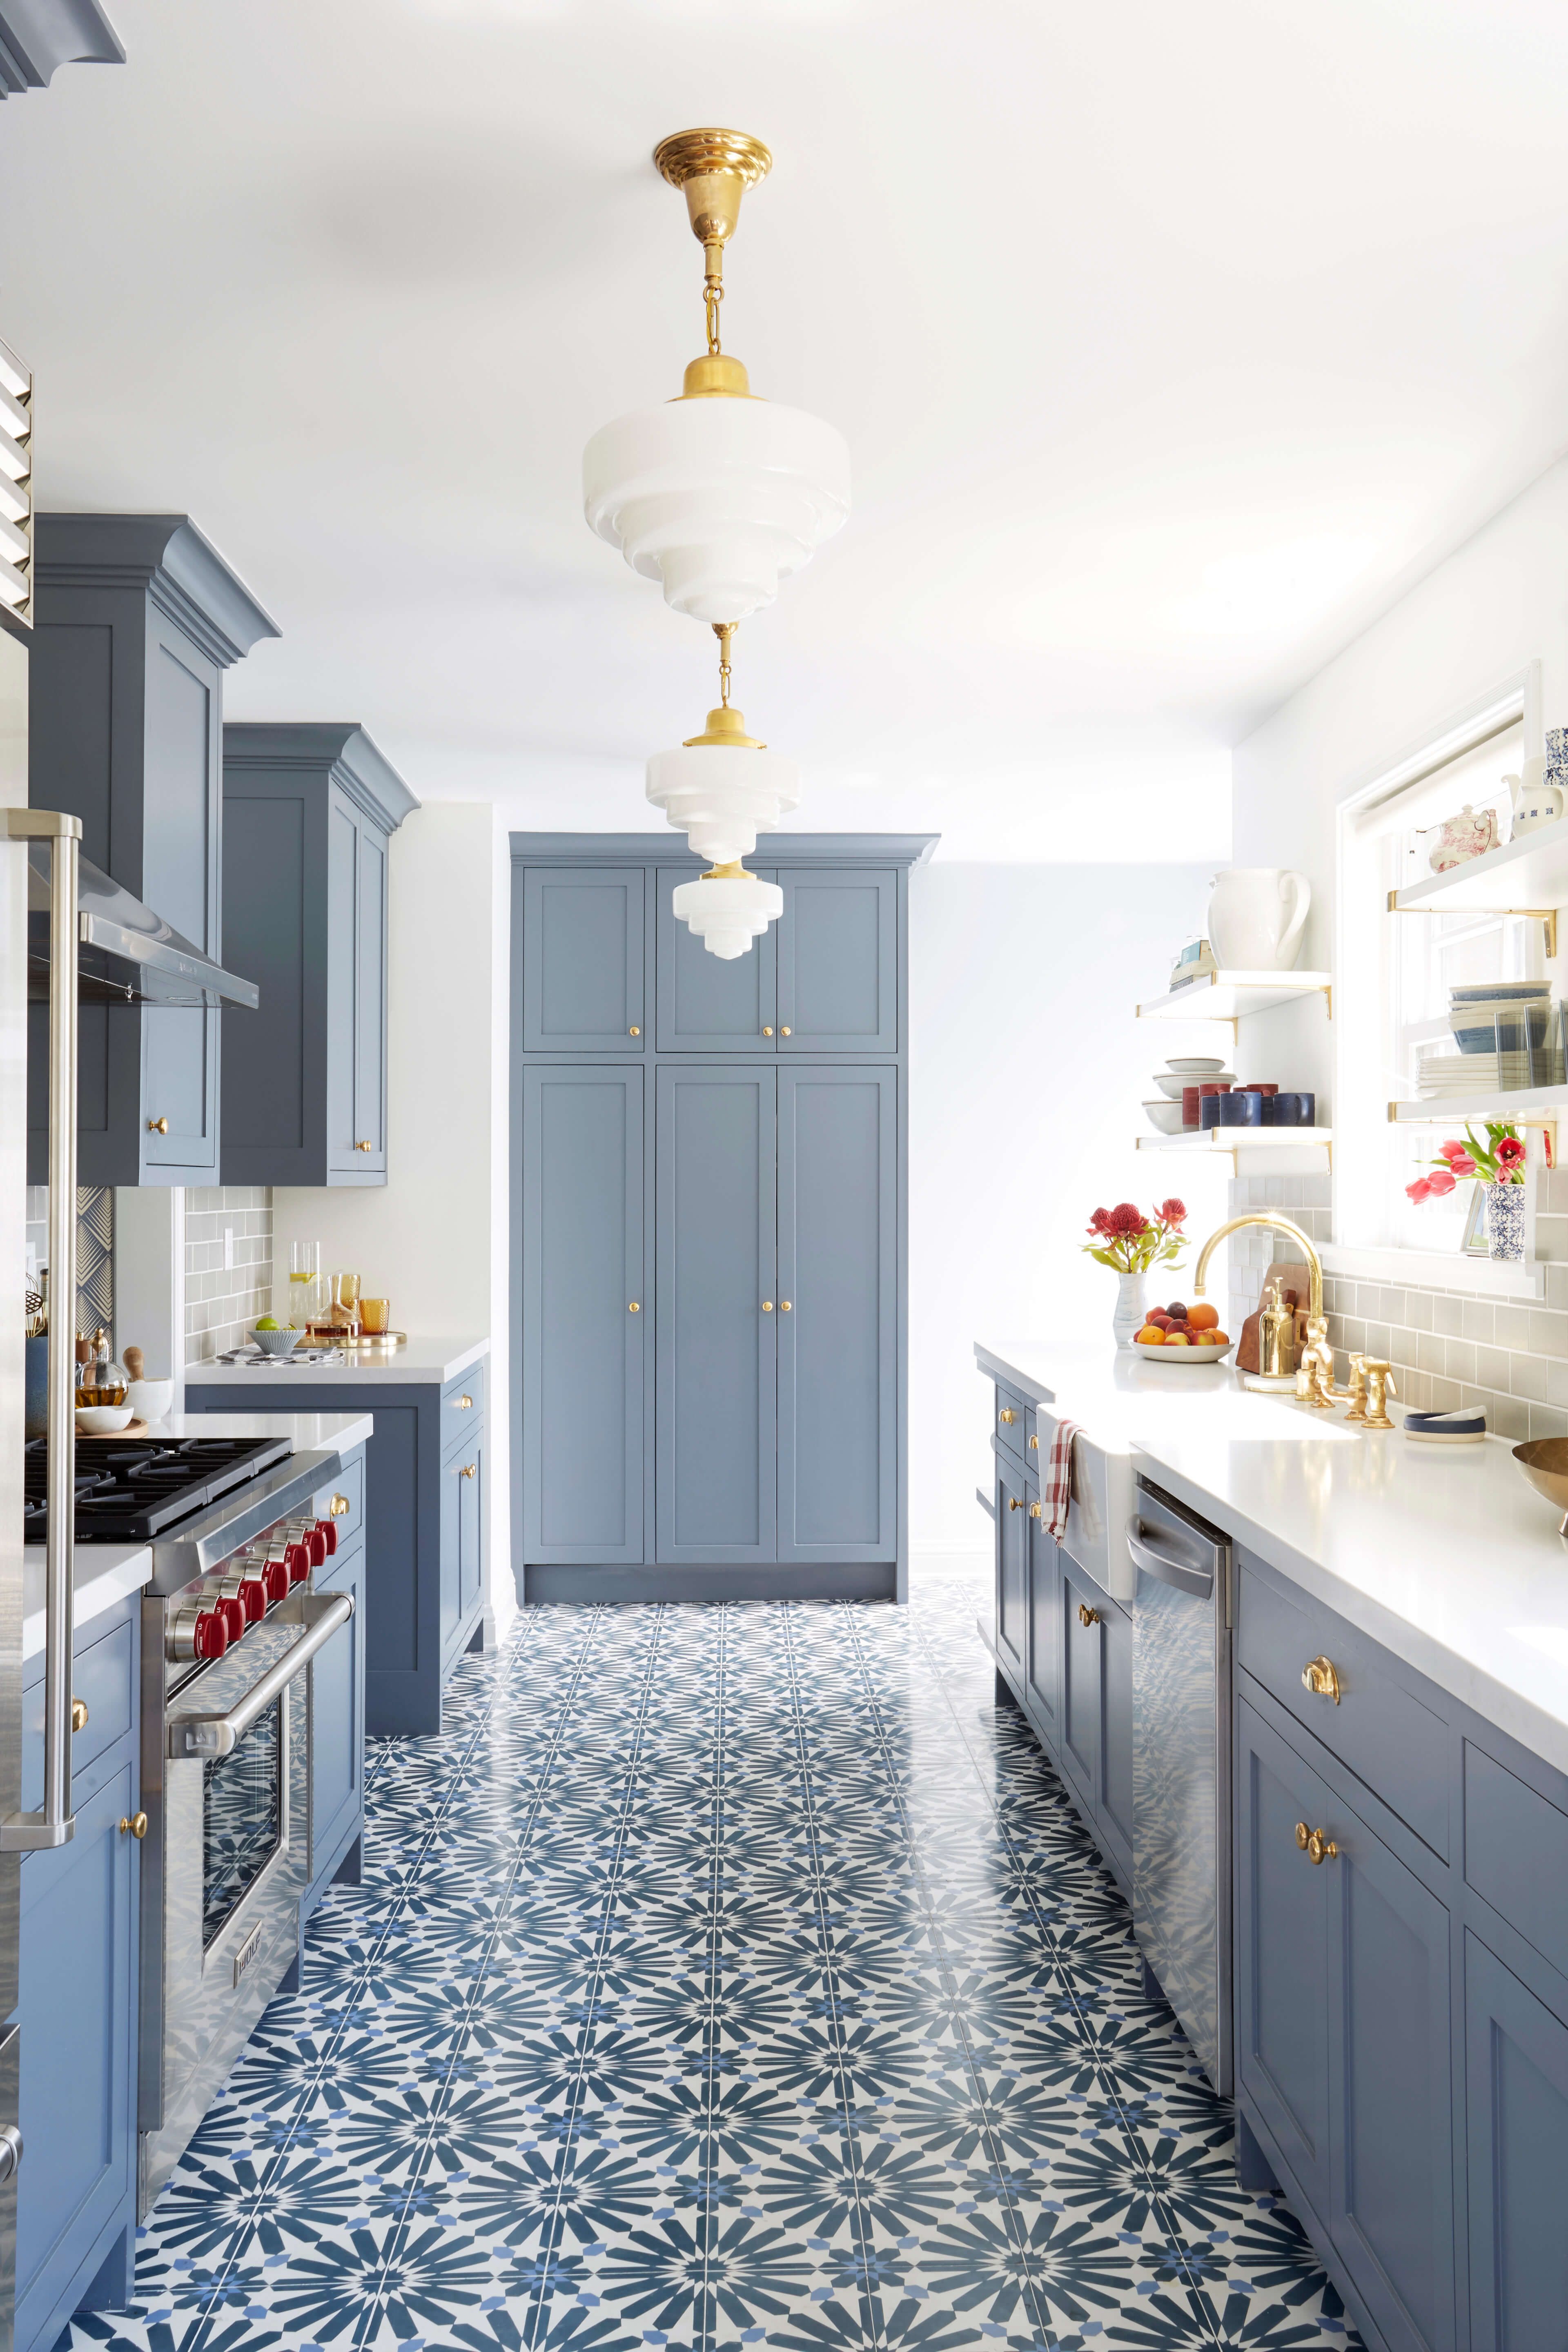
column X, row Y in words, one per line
column 76, row 2187
column 1516, row 2056
column 337, row 1735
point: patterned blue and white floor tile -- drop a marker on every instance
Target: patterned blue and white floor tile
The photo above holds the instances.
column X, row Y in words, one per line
column 722, row 1976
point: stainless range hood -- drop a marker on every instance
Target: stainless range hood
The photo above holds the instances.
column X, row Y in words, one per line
column 125, row 953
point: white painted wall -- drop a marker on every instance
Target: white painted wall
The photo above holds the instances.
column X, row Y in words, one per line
column 1498, row 603
column 1026, row 1070
column 434, row 1238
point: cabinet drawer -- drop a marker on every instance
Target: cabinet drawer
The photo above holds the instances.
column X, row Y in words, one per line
column 1388, row 1739
column 462, row 1405
column 1516, row 1854
column 1011, row 1415
column 342, row 1502
column 103, row 1678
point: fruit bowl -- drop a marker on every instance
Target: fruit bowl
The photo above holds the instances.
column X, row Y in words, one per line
column 1188, row 1355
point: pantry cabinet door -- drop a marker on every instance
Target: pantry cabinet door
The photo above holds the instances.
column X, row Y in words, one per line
column 838, row 962
column 837, row 1314
column 1083, row 1679
column 708, row 1003
column 1517, row 2062
column 1283, row 1945
column 1012, row 1630
column 583, row 958
column 584, row 1347
column 716, row 1315
column 1044, row 1623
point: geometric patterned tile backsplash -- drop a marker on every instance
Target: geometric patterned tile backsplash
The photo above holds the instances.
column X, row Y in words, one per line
column 94, row 1250
column 1448, row 1347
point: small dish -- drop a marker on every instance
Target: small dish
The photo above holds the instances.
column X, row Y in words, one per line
column 1197, row 1065
column 1173, row 1082
column 1191, row 1355
column 1166, row 1117
column 102, row 1420
column 278, row 1343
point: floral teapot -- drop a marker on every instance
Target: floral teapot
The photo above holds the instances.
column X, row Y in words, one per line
column 1537, row 799
column 1461, row 837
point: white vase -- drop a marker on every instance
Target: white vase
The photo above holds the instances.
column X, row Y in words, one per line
column 1256, row 917
column 1128, row 1319
column 1505, row 1223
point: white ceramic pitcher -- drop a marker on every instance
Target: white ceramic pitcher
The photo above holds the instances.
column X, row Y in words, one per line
column 1257, row 914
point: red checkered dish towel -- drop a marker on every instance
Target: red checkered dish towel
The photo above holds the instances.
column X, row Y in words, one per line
column 1058, row 1478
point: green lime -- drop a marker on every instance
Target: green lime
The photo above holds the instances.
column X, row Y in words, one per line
column 266, row 1322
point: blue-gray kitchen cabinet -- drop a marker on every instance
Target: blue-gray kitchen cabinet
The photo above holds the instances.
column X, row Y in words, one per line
column 137, row 620
column 708, row 1003
column 75, row 2188
column 582, row 937
column 1012, row 1623
column 337, row 1735
column 417, row 1622
column 716, row 1315
column 1043, row 1656
column 1517, row 2062
column 839, row 961
column 586, row 1328
column 309, row 811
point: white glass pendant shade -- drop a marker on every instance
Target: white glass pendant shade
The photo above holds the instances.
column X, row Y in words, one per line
column 718, row 498
column 721, row 798
column 728, row 911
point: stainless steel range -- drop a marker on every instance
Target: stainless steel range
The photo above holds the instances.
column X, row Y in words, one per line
column 230, row 1622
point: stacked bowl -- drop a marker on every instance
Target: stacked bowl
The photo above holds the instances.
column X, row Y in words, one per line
column 1183, row 1075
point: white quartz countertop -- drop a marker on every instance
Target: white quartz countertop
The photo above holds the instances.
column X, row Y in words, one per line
column 1443, row 1553
column 425, row 1363
column 107, row 1572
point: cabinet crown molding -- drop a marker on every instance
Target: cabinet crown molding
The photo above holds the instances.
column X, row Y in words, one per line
column 164, row 555
column 337, row 749
column 912, row 849
column 38, row 37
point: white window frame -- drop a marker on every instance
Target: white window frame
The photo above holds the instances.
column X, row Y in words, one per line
column 1368, row 1159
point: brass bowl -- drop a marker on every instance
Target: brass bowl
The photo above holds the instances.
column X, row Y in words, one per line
column 1544, row 1462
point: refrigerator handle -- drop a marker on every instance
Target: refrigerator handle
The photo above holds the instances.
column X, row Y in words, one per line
column 55, row 1826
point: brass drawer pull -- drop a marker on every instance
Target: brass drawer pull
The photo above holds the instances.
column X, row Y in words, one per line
column 157, row 1126
column 136, row 1824
column 1007, row 1414
column 79, row 1715
column 634, row 1031
column 785, row 1031
column 767, row 1307
column 464, row 1405
column 339, row 1506
column 1321, row 1674
column 1034, row 1444
column 365, row 1146
column 783, row 1306
column 1014, row 1504
column 1036, row 1512
column 767, row 1028
column 633, row 1308
column 469, row 1471
column 1315, row 1845
column 1088, row 1616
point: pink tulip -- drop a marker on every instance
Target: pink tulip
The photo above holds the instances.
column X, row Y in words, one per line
column 1461, row 1164
column 1441, row 1180
column 1421, row 1190
column 1451, row 1151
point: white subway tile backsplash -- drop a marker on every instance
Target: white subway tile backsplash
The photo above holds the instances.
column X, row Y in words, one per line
column 1545, row 1420
column 1461, row 1359
column 223, row 1301
column 1528, row 1377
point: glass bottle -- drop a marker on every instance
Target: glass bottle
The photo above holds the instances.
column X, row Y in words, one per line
column 101, row 1380
column 307, row 1289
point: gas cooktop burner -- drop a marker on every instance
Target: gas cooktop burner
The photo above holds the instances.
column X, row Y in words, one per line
column 130, row 1489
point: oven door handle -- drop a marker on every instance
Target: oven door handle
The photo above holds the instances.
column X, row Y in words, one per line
column 207, row 1736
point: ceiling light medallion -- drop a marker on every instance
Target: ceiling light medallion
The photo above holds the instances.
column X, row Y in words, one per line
column 719, row 495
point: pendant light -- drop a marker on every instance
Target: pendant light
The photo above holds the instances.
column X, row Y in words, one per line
column 716, row 494
column 722, row 787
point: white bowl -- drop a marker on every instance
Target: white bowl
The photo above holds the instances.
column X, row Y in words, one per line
column 1197, row 1065
column 1166, row 1117
column 1188, row 1355
column 102, row 1420
column 150, row 1400
column 1177, row 1087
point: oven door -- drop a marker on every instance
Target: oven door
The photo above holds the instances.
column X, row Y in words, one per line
column 231, row 1846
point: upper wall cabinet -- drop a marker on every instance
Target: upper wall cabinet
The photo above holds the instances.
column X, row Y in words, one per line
column 137, row 620
column 309, row 813
column 38, row 37
column 583, row 978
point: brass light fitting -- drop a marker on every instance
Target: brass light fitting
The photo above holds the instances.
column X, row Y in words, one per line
column 726, row 725
column 714, row 169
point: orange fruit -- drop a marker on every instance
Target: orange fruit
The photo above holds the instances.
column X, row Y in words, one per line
column 1216, row 1339
column 1203, row 1318
column 1151, row 1336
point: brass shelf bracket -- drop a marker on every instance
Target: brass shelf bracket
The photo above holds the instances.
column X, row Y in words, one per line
column 1545, row 916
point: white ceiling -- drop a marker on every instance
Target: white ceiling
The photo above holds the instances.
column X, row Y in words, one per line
column 1170, row 343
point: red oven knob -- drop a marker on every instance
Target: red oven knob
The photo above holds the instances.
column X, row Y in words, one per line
column 298, row 1557
column 230, row 1608
column 316, row 1538
column 329, row 1536
column 275, row 1578
column 211, row 1633
column 253, row 1594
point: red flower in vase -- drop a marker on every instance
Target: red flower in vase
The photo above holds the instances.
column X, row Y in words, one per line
column 1509, row 1154
column 1172, row 1212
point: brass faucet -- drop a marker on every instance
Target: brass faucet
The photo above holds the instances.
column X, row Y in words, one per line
column 1315, row 1372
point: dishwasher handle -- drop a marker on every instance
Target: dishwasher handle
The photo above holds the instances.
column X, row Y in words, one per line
column 1199, row 1582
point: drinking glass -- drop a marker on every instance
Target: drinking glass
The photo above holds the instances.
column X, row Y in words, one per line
column 307, row 1291
column 374, row 1317
column 345, row 1305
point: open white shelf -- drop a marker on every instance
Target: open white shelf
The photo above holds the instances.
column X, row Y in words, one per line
column 1521, row 877
column 1204, row 1140
column 1231, row 996
column 1533, row 1103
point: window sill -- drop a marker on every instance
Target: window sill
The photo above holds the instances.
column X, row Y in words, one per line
column 1438, row 1269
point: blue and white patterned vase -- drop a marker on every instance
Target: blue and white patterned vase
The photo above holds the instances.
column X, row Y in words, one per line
column 1505, row 1223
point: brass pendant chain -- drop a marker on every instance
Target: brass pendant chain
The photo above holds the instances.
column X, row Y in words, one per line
column 713, row 290
column 724, row 631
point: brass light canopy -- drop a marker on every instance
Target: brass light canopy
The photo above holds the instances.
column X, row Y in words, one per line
column 726, row 725
column 714, row 169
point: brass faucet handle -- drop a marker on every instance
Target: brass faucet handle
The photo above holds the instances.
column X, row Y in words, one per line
column 1357, row 1389
column 1379, row 1388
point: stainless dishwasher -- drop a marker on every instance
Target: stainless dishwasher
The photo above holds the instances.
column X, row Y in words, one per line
column 1181, row 1767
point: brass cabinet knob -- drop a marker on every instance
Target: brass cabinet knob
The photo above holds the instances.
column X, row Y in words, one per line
column 783, row 1306
column 1034, row 1444
column 365, row 1146
column 1321, row 1674
column 767, row 1028
column 1036, row 1512
column 135, row 1823
column 1088, row 1616
column 465, row 1404
column 767, row 1307
column 633, row 1308
column 1014, row 1504
column 1315, row 1845
column 1007, row 1414
column 469, row 1470
column 634, row 1031
column 79, row 1715
column 157, row 1126
column 785, row 1032
column 339, row 1506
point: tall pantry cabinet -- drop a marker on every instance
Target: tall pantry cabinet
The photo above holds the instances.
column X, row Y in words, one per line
column 709, row 1190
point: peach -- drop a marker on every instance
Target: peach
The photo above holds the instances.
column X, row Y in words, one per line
column 1177, row 1340
column 1151, row 1336
column 1204, row 1318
